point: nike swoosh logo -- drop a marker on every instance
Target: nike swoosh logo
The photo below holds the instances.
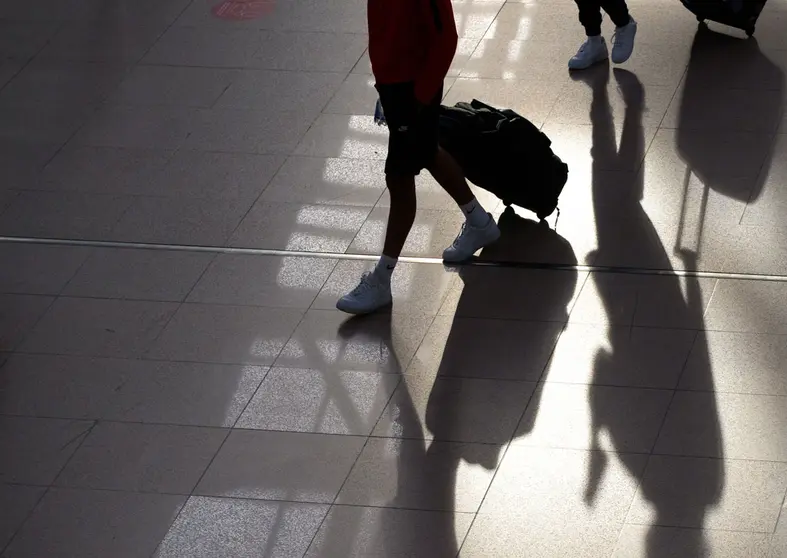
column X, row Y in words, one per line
column 469, row 212
column 389, row 266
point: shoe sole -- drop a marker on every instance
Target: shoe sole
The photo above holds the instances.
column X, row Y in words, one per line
column 356, row 312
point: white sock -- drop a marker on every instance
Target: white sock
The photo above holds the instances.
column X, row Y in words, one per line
column 475, row 214
column 385, row 268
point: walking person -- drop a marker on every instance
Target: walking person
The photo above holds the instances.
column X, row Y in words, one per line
column 594, row 49
column 411, row 47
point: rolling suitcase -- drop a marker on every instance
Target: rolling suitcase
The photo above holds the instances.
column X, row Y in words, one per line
column 505, row 154
column 741, row 14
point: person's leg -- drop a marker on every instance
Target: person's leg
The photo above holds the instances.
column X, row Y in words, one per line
column 480, row 228
column 594, row 49
column 401, row 168
column 625, row 29
column 401, row 215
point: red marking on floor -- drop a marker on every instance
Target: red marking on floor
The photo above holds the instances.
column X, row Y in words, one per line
column 243, row 9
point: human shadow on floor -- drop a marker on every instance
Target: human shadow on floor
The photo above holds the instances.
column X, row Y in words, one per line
column 680, row 491
column 728, row 79
column 447, row 412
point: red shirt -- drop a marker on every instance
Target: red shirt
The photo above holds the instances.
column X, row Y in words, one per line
column 412, row 40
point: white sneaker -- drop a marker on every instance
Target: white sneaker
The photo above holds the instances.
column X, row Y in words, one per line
column 470, row 240
column 623, row 42
column 592, row 51
column 370, row 295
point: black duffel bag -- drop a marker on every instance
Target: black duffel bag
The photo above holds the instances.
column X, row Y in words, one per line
column 504, row 153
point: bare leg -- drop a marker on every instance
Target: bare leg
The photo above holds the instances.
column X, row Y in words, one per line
column 401, row 215
column 449, row 175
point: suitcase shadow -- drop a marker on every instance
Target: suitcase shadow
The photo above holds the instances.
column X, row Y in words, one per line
column 729, row 79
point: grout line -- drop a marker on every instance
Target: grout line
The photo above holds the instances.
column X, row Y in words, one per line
column 418, row 260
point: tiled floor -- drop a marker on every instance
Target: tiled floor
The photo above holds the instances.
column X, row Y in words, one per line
column 188, row 402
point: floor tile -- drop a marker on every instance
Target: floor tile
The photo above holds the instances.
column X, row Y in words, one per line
column 142, row 458
column 173, row 85
column 513, row 59
column 643, row 300
column 79, row 41
column 748, row 110
column 99, row 327
column 620, row 356
column 279, row 466
column 95, row 524
column 340, row 402
column 17, row 501
column 69, row 215
column 248, row 335
column 551, row 484
column 128, row 390
column 432, row 232
column 20, row 315
column 161, row 127
column 63, row 83
column 710, row 493
column 747, row 251
column 573, row 144
column 415, row 287
column 210, row 527
column 741, row 363
column 748, row 307
column 248, row 131
column 637, row 540
column 138, row 274
column 9, row 68
column 511, row 537
column 185, row 393
column 42, row 122
column 327, row 181
column 357, row 95
column 298, row 51
column 614, row 96
column 23, row 160
column 534, row 101
column 720, row 425
column 105, row 170
column 38, row 448
column 205, row 47
column 351, row 137
column 394, row 473
column 38, row 269
column 25, row 39
column 321, row 181
column 571, row 416
column 277, row 91
column 308, row 228
column 507, row 294
column 275, row 281
column 485, row 349
column 188, row 221
column 332, row 341
column 220, row 176
column 454, row 409
column 385, row 533
column 717, row 159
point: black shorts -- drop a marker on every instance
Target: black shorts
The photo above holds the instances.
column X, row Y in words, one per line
column 413, row 140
